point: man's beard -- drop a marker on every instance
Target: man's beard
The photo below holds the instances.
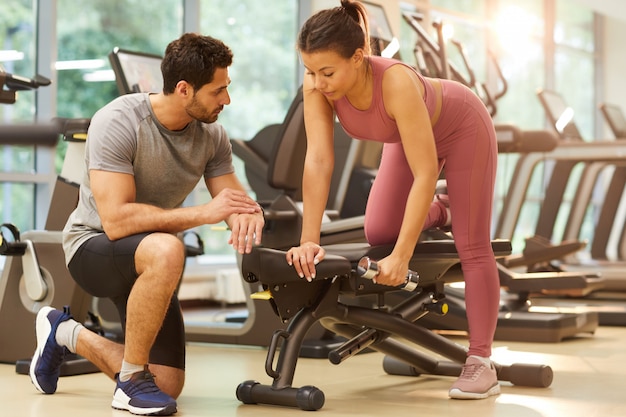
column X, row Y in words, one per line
column 200, row 113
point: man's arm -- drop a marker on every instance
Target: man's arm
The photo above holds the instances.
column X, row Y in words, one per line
column 121, row 216
column 246, row 228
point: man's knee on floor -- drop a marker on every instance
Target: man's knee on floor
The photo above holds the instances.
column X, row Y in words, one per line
column 170, row 380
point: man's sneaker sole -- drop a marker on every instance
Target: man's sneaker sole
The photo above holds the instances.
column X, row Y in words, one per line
column 43, row 329
column 457, row 394
column 121, row 401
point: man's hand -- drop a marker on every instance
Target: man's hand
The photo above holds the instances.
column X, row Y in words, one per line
column 228, row 202
column 246, row 230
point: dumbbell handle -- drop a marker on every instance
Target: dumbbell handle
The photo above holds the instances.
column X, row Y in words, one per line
column 368, row 268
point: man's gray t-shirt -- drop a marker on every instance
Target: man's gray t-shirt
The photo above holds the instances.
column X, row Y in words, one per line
column 125, row 136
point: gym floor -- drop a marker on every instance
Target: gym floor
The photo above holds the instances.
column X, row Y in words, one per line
column 589, row 374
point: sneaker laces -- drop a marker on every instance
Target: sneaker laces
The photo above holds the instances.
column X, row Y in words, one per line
column 472, row 371
column 143, row 382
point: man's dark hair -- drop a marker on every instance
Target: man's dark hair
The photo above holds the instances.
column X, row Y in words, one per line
column 193, row 58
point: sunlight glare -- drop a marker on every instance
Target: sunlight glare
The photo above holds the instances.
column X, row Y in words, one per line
column 391, row 49
column 447, row 31
column 564, row 119
column 513, row 29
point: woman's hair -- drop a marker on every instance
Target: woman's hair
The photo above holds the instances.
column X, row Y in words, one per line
column 193, row 58
column 342, row 29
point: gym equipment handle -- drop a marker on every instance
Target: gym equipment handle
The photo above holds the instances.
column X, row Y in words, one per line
column 368, row 268
column 17, row 82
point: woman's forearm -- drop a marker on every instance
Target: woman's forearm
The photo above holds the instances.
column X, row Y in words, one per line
column 315, row 190
column 417, row 206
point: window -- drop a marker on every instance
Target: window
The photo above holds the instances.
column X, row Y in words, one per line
column 17, row 163
column 263, row 72
column 574, row 48
column 518, row 42
column 85, row 81
column 263, row 75
column 537, row 43
column 265, row 69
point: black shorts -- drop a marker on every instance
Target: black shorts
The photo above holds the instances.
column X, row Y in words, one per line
column 106, row 269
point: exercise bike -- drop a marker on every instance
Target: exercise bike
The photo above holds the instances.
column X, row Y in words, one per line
column 34, row 272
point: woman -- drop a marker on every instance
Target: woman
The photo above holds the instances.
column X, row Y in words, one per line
column 424, row 123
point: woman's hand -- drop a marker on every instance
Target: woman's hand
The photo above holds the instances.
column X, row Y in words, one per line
column 304, row 258
column 392, row 271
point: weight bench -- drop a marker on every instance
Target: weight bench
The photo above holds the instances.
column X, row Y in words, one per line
column 332, row 298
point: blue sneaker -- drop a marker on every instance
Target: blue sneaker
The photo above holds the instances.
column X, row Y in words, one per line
column 45, row 366
column 140, row 395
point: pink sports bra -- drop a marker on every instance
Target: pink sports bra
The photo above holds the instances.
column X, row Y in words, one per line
column 374, row 123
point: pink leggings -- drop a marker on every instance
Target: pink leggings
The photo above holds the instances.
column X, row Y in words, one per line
column 466, row 140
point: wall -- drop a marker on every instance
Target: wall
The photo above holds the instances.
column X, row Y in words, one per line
column 614, row 32
column 614, row 61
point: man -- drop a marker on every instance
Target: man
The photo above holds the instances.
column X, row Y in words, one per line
column 145, row 153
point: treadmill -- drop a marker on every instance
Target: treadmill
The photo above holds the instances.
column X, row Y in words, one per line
column 516, row 319
column 610, row 300
column 520, row 319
